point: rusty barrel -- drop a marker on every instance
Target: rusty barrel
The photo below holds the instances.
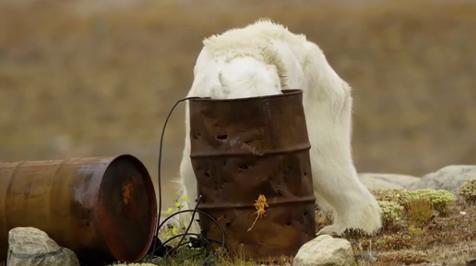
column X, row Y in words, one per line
column 243, row 148
column 102, row 208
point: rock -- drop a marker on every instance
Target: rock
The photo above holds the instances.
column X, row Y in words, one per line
column 28, row 246
column 325, row 250
column 376, row 181
column 449, row 178
column 471, row 262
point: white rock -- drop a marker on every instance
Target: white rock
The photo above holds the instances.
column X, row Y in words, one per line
column 375, row 181
column 449, row 178
column 28, row 246
column 325, row 250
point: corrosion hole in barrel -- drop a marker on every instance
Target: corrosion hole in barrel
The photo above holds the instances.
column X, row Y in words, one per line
column 288, row 223
column 228, row 224
column 222, row 137
column 305, row 173
column 244, row 166
column 207, row 174
column 305, row 213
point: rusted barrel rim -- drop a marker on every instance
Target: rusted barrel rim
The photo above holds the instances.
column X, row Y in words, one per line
column 150, row 191
column 285, row 93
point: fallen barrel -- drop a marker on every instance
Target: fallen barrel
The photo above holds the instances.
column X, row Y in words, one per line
column 244, row 148
column 101, row 208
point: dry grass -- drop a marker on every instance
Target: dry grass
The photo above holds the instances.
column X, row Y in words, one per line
column 419, row 234
column 423, row 237
column 447, row 240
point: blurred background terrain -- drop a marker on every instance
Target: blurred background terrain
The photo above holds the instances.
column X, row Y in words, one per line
column 84, row 78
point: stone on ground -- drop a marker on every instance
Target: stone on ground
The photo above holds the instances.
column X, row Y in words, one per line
column 449, row 178
column 28, row 246
column 377, row 181
column 325, row 250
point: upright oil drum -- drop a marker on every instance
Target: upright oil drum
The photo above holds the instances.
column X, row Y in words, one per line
column 102, row 208
column 244, row 148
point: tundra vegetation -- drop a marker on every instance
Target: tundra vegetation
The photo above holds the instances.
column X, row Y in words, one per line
column 468, row 191
column 420, row 226
column 85, row 78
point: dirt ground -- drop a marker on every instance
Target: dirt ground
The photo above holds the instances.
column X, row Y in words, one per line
column 449, row 240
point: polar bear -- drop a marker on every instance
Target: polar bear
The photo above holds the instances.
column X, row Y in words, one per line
column 263, row 59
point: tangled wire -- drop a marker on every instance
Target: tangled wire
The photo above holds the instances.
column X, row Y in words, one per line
column 163, row 249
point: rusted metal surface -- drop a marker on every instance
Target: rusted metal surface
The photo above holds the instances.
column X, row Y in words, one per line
column 102, row 208
column 242, row 148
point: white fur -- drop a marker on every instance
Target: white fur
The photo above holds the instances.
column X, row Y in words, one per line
column 264, row 58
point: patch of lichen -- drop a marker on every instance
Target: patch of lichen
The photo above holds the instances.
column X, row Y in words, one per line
column 401, row 207
column 392, row 214
column 400, row 196
column 467, row 191
column 437, row 200
column 430, row 223
column 406, row 216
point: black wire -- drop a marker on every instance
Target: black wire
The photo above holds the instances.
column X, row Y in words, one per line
column 189, row 224
column 160, row 164
column 194, row 211
column 193, row 255
column 201, row 212
column 186, row 243
column 179, row 235
column 189, row 234
column 183, row 244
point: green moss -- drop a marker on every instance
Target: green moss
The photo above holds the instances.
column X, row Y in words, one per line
column 467, row 191
column 400, row 196
column 392, row 213
column 439, row 199
column 197, row 256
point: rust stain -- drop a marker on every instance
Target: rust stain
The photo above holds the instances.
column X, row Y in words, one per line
column 127, row 191
column 260, row 205
column 86, row 194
